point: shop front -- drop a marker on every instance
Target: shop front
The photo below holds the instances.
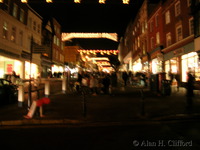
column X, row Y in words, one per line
column 31, row 70
column 181, row 61
column 137, row 65
column 57, row 71
column 190, row 63
column 8, row 66
column 156, row 66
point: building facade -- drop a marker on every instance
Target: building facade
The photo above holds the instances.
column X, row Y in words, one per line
column 15, row 39
column 57, row 49
column 166, row 42
column 178, row 54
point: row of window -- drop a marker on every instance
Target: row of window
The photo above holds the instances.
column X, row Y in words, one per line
column 32, row 24
column 179, row 35
column 21, row 13
column 12, row 36
column 58, row 56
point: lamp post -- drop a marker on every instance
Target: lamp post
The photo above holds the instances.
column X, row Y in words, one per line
column 30, row 86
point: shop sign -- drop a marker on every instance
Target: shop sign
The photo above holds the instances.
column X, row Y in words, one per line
column 178, row 52
column 39, row 48
column 25, row 55
column 9, row 68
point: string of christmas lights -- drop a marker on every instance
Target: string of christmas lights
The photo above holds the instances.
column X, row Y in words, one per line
column 75, row 1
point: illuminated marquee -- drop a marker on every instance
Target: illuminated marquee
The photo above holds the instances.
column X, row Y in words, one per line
column 68, row 36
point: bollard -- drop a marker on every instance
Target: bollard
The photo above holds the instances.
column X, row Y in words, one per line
column 64, row 85
column 47, row 88
column 20, row 95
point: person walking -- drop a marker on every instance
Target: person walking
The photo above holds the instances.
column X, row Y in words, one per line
column 125, row 77
column 93, row 85
column 190, row 85
column 106, row 83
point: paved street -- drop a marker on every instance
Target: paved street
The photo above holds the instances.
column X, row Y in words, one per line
column 169, row 136
column 125, row 104
column 130, row 118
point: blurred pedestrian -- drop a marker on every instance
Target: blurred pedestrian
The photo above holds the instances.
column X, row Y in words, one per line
column 125, row 77
column 106, row 83
column 190, row 85
column 93, row 85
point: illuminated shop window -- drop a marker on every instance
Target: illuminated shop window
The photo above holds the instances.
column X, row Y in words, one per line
column 190, row 64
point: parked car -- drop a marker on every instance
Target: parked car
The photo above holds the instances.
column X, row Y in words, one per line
column 8, row 92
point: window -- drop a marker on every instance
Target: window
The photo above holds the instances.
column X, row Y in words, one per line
column 146, row 24
column 21, row 38
column 143, row 48
column 13, row 34
column 7, row 5
column 179, row 35
column 54, row 39
column 135, row 43
column 156, row 20
column 5, row 30
column 168, row 39
column 138, row 41
column 21, row 17
column 30, row 23
column 177, row 8
column 14, row 13
column 38, row 28
column 151, row 26
column 34, row 25
column 58, row 42
column 189, row 2
column 143, row 27
column 191, row 26
column 157, row 38
column 167, row 17
column 152, row 42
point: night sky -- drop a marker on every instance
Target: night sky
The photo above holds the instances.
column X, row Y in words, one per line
column 90, row 16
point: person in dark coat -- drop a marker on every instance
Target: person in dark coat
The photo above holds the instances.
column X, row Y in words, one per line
column 190, row 85
column 125, row 77
column 106, row 84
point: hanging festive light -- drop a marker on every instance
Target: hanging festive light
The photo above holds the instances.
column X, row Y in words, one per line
column 102, row 52
column 24, row 1
column 125, row 1
column 49, row 1
column 102, row 1
column 77, row 1
column 1, row 1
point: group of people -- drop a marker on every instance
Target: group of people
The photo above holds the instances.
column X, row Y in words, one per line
column 138, row 78
column 96, row 83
